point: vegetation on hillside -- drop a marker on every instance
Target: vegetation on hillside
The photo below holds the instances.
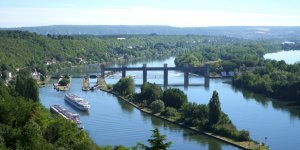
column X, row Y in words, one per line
column 26, row 124
column 268, row 77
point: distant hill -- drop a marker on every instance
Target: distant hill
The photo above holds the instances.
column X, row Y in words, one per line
column 248, row 32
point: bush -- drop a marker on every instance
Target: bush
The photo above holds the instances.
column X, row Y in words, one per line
column 170, row 112
column 150, row 92
column 243, row 135
column 194, row 114
column 125, row 87
column 64, row 81
column 157, row 106
column 174, row 97
column 230, row 131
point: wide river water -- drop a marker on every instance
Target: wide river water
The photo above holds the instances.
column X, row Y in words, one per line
column 111, row 121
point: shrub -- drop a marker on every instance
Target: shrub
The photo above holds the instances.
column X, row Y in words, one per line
column 170, row 112
column 151, row 92
column 243, row 135
column 64, row 81
column 174, row 97
column 125, row 87
column 157, row 106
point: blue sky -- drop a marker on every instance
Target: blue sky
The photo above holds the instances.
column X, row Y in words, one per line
column 181, row 13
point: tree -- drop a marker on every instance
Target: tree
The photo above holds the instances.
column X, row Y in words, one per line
column 174, row 97
column 194, row 114
column 215, row 111
column 157, row 141
column 150, row 92
column 125, row 87
column 27, row 87
column 64, row 82
column 33, row 89
column 157, row 106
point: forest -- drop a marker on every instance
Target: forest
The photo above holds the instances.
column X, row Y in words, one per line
column 272, row 78
column 26, row 124
column 20, row 49
column 252, row 72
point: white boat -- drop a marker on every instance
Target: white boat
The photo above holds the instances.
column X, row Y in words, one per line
column 76, row 101
column 67, row 115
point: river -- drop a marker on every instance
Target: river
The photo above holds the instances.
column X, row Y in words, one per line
column 289, row 57
column 111, row 121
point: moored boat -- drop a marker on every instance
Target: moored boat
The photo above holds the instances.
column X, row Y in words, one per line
column 76, row 101
column 57, row 109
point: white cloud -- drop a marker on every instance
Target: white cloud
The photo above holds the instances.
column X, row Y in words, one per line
column 10, row 17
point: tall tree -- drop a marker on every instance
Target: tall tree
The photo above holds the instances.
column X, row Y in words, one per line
column 26, row 86
column 32, row 88
column 214, row 108
column 157, row 141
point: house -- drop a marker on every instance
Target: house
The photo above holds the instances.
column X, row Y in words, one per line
column 35, row 75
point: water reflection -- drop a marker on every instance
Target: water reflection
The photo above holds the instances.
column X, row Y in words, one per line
column 125, row 107
column 291, row 107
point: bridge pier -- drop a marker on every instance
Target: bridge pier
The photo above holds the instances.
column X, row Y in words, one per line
column 123, row 71
column 102, row 71
column 144, row 73
column 206, row 82
column 165, row 75
column 186, row 75
column 206, row 70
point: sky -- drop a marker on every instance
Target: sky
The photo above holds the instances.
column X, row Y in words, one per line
column 178, row 13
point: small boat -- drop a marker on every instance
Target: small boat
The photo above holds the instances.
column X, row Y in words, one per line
column 57, row 109
column 76, row 101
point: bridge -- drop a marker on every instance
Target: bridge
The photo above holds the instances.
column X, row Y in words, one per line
column 186, row 69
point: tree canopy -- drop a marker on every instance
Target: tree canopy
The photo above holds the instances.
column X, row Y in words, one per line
column 158, row 141
column 174, row 97
column 150, row 92
column 125, row 87
column 214, row 109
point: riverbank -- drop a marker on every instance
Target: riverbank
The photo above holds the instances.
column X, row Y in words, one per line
column 242, row 145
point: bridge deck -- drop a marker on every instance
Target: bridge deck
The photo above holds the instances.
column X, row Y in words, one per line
column 150, row 68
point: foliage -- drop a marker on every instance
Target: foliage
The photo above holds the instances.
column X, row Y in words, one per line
column 157, row 106
column 174, row 97
column 169, row 112
column 227, row 54
column 230, row 131
column 157, row 141
column 195, row 114
column 215, row 111
column 273, row 78
column 193, row 59
column 64, row 81
column 150, row 92
column 26, row 86
column 28, row 125
column 125, row 87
